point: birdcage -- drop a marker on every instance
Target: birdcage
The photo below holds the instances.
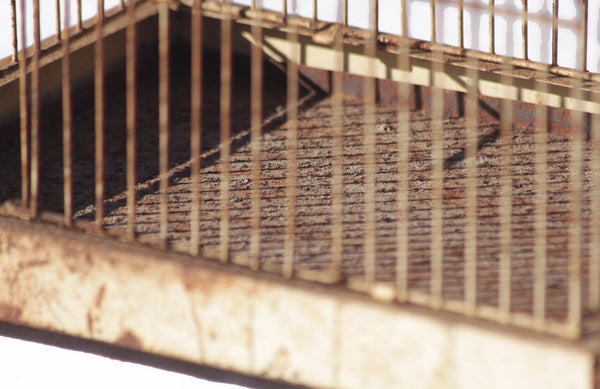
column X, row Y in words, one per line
column 329, row 194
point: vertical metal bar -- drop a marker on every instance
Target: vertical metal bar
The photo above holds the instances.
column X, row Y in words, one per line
column 79, row 19
column 540, row 226
column 35, row 109
column 314, row 13
column 461, row 28
column 594, row 267
column 58, row 19
column 163, row 118
column 122, row 3
column 13, row 29
column 226, row 71
column 345, row 13
column 292, row 154
column 67, row 115
column 403, row 139
column 505, row 198
column 554, row 32
column 196, row 125
column 337, row 174
column 23, row 113
column 256, row 69
column 437, row 183
column 492, row 22
column 576, row 155
column 432, row 18
column 370, row 151
column 130, row 48
column 404, row 18
column 524, row 33
column 284, row 9
column 471, row 139
column 584, row 34
column 99, row 114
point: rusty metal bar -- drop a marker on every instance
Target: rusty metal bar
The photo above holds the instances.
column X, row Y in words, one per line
column 403, row 139
column 471, row 139
column 163, row 118
column 99, row 114
column 79, row 19
column 554, row 32
column 67, row 122
column 130, row 53
column 256, row 81
column 541, row 195
column 196, row 125
column 492, row 29
column 370, row 151
column 292, row 156
column 226, row 72
column 524, row 33
column 35, row 110
column 505, row 198
column 584, row 34
column 23, row 112
column 576, row 155
column 13, row 29
column 432, row 18
column 345, row 12
column 58, row 20
column 337, row 163
column 437, row 185
column 461, row 28
column 314, row 13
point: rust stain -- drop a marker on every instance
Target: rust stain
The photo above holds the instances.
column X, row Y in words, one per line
column 10, row 313
column 100, row 296
column 90, row 323
column 129, row 340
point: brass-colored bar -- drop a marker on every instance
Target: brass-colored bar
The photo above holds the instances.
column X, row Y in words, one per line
column 67, row 122
column 163, row 118
column 284, row 9
column 337, row 163
column 437, row 185
column 404, row 19
column 584, row 35
column 292, row 156
column 79, row 19
column 226, row 72
column 345, row 12
column 13, row 30
column 314, row 13
column 99, row 114
column 505, row 198
column 23, row 113
column 492, row 24
column 461, row 28
column 370, row 152
column 130, row 53
column 256, row 81
column 576, row 155
column 554, row 32
column 524, row 33
column 35, row 110
column 541, row 195
column 433, row 19
column 196, row 125
column 58, row 19
column 403, row 138
column 471, row 140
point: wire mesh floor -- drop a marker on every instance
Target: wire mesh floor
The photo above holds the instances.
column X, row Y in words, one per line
column 314, row 187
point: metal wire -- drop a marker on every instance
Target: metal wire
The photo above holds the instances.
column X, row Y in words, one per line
column 35, row 110
column 67, row 118
column 23, row 114
column 256, row 81
column 130, row 48
column 99, row 114
column 163, row 118
column 226, row 72
column 196, row 125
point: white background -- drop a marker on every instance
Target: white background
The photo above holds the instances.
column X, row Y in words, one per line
column 32, row 365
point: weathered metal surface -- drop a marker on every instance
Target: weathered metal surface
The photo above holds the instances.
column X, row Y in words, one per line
column 227, row 317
